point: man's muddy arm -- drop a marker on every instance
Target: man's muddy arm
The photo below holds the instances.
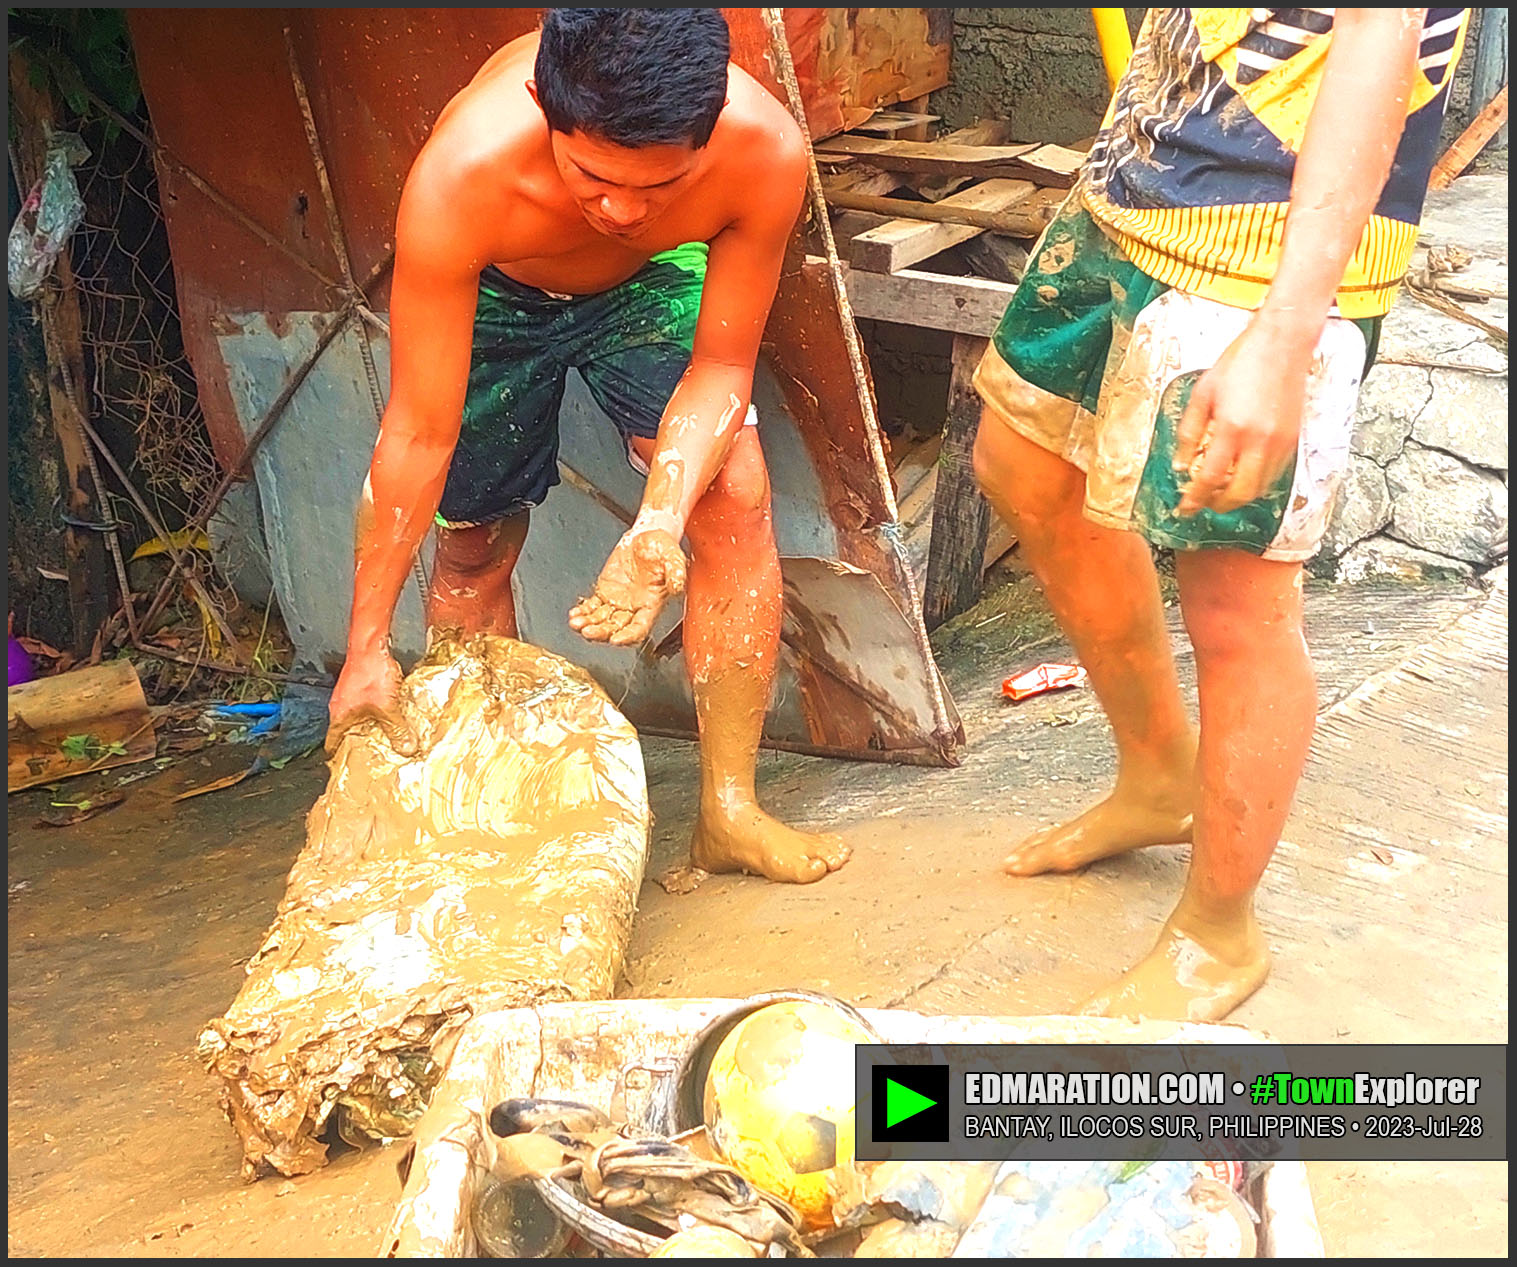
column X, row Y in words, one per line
column 432, row 304
column 1346, row 154
column 708, row 408
column 431, row 323
column 1244, row 418
column 704, row 415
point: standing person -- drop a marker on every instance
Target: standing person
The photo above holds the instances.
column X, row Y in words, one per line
column 1179, row 368
column 609, row 195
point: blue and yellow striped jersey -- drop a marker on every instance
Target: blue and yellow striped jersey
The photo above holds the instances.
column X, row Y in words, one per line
column 1191, row 172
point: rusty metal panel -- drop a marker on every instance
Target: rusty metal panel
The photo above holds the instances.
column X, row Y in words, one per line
column 850, row 62
column 220, row 94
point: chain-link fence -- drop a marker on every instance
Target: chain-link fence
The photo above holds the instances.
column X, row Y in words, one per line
column 140, row 383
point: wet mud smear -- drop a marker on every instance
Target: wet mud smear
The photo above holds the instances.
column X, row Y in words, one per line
column 498, row 867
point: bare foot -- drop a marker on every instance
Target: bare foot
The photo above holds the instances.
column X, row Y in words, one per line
column 749, row 840
column 1158, row 815
column 1196, row 972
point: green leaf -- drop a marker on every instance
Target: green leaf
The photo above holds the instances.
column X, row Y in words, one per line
column 77, row 747
column 1131, row 1170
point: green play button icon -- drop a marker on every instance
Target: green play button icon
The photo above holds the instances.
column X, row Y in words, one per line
column 902, row 1102
column 909, row 1103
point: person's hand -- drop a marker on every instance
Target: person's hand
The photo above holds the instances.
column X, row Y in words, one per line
column 645, row 570
column 368, row 690
column 1241, row 427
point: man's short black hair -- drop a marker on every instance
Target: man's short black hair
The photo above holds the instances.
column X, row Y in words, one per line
column 634, row 76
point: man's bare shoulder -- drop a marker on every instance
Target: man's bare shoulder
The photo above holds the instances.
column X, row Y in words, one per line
column 488, row 138
column 759, row 139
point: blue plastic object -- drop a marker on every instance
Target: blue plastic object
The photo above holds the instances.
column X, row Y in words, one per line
column 265, row 708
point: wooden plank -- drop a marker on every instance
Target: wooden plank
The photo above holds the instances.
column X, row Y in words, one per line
column 992, row 255
column 893, row 122
column 847, row 225
column 100, row 707
column 960, row 513
column 1488, row 71
column 869, row 181
column 1010, row 221
column 904, row 242
column 985, row 132
column 1473, row 139
column 931, row 301
column 1048, row 165
column 1037, row 211
column 912, row 466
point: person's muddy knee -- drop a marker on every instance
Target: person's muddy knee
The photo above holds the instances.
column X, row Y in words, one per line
column 479, row 552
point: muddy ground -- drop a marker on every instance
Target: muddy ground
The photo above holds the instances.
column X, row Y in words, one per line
column 1387, row 911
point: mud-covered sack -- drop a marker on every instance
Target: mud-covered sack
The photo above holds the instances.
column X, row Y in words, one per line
column 499, row 867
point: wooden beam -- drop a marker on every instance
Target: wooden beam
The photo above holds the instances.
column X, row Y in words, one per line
column 1038, row 211
column 1048, row 165
column 1023, row 219
column 992, row 255
column 931, row 301
column 985, row 132
column 960, row 513
column 1488, row 71
column 860, row 180
column 903, row 242
column 1474, row 138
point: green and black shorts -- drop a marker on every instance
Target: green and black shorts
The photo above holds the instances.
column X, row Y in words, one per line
column 630, row 344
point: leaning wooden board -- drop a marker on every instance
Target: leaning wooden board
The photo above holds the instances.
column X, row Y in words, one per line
column 580, row 1051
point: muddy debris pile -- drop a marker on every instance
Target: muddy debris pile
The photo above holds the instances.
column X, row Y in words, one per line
column 498, row 867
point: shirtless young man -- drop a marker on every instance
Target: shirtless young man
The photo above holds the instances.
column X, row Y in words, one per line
column 1179, row 367
column 609, row 195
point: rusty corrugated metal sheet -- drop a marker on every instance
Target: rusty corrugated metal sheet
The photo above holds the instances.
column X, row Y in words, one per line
column 219, row 91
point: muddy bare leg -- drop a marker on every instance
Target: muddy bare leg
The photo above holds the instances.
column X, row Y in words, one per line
column 1258, row 711
column 733, row 609
column 1104, row 591
column 471, row 578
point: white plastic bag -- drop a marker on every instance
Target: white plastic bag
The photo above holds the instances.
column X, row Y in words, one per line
column 51, row 212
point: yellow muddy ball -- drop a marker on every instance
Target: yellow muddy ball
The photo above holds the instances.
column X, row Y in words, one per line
column 705, row 1242
column 779, row 1102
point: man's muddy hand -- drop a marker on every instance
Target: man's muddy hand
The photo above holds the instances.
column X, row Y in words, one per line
column 368, row 690
column 1239, row 432
column 644, row 572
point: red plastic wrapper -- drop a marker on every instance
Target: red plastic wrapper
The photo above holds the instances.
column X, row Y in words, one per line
column 1228, row 1172
column 1044, row 678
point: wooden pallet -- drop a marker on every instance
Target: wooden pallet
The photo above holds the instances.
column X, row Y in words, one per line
column 898, row 203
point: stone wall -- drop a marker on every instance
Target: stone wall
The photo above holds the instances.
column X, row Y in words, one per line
column 1041, row 69
column 1038, row 68
column 1427, row 489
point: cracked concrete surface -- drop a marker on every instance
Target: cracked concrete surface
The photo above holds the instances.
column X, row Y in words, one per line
column 127, row 932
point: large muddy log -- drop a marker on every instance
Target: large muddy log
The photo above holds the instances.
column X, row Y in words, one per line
column 498, row 867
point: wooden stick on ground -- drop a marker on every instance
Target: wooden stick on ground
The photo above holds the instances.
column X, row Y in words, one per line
column 90, row 710
column 1471, row 141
